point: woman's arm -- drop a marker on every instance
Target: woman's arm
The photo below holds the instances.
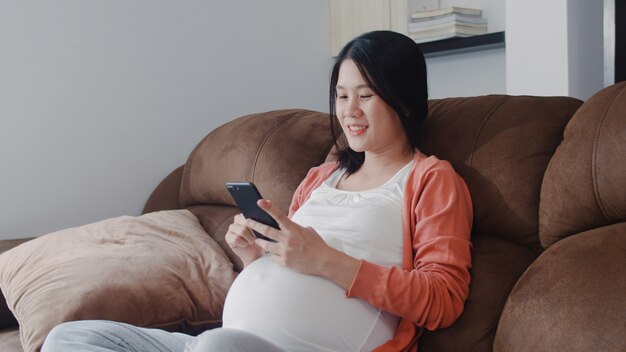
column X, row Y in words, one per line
column 431, row 293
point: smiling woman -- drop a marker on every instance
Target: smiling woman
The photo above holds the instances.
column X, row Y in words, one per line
column 353, row 224
column 375, row 247
column 385, row 74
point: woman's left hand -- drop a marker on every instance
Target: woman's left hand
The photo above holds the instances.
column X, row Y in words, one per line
column 302, row 249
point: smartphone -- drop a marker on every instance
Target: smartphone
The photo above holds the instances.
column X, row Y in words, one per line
column 246, row 195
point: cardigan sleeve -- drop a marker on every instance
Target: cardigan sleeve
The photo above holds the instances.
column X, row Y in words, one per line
column 433, row 292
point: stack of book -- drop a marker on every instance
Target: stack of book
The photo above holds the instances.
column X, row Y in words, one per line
column 427, row 26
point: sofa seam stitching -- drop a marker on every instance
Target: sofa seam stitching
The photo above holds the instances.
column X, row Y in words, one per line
column 480, row 130
column 594, row 166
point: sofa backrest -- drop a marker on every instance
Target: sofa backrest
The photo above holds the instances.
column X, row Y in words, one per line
column 274, row 150
column 501, row 146
column 585, row 183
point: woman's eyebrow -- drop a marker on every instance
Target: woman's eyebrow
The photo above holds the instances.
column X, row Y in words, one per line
column 357, row 87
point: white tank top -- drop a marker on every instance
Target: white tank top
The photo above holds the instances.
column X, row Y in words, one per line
column 308, row 313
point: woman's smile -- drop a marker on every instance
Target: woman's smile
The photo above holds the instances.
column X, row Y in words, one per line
column 356, row 130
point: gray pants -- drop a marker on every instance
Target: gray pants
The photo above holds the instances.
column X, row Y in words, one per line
column 107, row 336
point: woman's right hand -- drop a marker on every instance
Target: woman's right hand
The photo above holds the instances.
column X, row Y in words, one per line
column 241, row 240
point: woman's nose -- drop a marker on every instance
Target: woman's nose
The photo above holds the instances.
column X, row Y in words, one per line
column 353, row 109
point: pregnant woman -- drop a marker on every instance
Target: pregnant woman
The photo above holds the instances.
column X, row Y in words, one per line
column 375, row 248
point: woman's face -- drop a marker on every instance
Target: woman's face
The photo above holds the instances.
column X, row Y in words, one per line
column 369, row 124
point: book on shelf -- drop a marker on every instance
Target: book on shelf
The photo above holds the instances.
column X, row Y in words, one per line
column 454, row 30
column 446, row 23
column 452, row 27
column 445, row 19
column 445, row 11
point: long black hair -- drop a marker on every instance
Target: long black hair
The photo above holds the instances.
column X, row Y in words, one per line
column 393, row 66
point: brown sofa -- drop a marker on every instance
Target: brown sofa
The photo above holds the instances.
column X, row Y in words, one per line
column 548, row 183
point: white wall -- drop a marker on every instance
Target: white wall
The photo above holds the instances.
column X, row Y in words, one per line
column 552, row 48
column 99, row 100
column 474, row 73
column 537, row 57
column 555, row 51
column 467, row 74
column 585, row 28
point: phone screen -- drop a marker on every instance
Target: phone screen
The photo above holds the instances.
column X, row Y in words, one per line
column 246, row 195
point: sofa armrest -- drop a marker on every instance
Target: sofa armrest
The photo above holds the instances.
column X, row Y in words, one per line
column 166, row 196
column 6, row 317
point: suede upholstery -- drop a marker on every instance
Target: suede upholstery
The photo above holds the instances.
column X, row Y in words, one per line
column 571, row 296
column 246, row 149
column 522, row 296
column 497, row 264
column 166, row 196
column 585, row 182
column 501, row 146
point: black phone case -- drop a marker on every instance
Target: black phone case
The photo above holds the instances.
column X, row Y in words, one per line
column 246, row 195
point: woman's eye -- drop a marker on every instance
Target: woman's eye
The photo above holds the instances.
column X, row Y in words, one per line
column 342, row 97
column 366, row 96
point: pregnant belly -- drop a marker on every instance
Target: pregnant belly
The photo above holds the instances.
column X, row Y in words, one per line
column 302, row 312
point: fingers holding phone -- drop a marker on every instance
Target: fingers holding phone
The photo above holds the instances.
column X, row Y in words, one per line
column 241, row 240
column 246, row 195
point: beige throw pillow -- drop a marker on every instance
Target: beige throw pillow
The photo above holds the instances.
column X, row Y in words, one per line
column 158, row 270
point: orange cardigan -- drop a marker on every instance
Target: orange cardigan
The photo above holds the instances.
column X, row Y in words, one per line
column 430, row 289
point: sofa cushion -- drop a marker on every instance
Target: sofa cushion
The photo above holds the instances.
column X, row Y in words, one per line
column 6, row 317
column 496, row 266
column 585, row 183
column 159, row 270
column 501, row 146
column 274, row 150
column 571, row 298
column 10, row 340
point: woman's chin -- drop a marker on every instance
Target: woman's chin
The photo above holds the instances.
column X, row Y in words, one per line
column 358, row 149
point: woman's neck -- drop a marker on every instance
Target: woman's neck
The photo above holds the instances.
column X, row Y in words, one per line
column 375, row 171
column 392, row 159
